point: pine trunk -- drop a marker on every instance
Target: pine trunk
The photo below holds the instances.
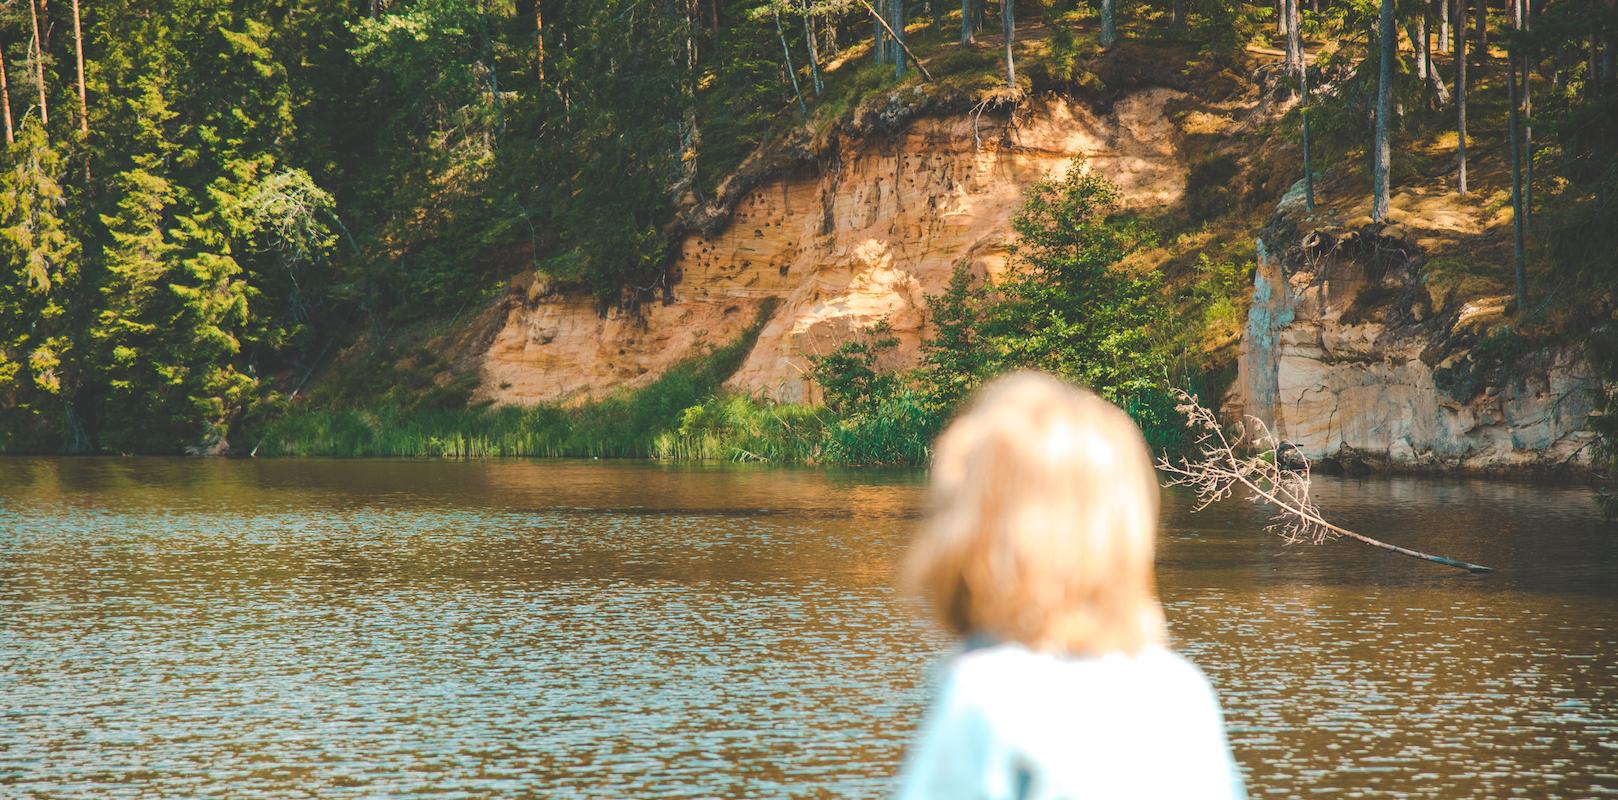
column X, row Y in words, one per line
column 1444, row 10
column 1008, row 26
column 1109, row 22
column 539, row 42
column 1512, row 122
column 1418, row 43
column 78, row 53
column 966, row 21
column 1294, row 41
column 1381, row 152
column 1460, row 96
column 39, row 66
column 879, row 43
column 1526, row 23
column 1177, row 22
column 896, row 20
column 814, row 52
column 786, row 57
column 5, row 98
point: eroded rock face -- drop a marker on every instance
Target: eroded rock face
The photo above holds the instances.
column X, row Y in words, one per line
column 1345, row 356
column 867, row 236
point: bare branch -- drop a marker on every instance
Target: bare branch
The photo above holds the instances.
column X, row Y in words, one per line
column 1272, row 476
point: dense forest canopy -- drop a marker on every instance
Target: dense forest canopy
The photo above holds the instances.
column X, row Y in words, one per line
column 202, row 198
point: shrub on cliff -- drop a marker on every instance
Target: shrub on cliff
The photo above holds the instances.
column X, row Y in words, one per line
column 1066, row 307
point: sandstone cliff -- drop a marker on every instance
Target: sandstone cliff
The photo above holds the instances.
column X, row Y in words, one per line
column 861, row 235
column 1354, row 356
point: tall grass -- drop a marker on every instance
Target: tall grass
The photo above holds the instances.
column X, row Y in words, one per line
column 627, row 424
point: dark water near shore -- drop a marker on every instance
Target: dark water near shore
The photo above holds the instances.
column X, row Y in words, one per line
column 279, row 629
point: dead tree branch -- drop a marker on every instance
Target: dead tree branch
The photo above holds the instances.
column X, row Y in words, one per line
column 1219, row 470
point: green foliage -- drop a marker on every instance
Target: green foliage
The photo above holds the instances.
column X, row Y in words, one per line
column 741, row 428
column 39, row 349
column 407, row 418
column 1066, row 308
column 851, row 379
column 264, row 181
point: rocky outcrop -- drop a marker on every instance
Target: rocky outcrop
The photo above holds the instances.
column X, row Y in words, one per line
column 1352, row 357
column 865, row 233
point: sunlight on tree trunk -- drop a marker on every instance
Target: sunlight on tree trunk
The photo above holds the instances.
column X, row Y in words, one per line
column 1008, row 27
column 39, row 66
column 1295, row 53
column 814, row 54
column 78, row 52
column 786, row 56
column 1381, row 152
column 1460, row 97
column 539, row 41
column 5, row 98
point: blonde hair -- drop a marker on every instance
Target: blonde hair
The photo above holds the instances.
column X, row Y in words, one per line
column 1042, row 522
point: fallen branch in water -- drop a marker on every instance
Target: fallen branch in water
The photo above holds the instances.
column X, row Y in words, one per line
column 1218, row 470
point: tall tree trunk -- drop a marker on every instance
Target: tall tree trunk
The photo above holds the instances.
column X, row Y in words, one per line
column 78, row 53
column 1177, row 21
column 1109, row 22
column 1295, row 43
column 786, row 58
column 1008, row 26
column 903, row 48
column 1418, row 43
column 39, row 66
column 1460, row 96
column 1526, row 23
column 5, row 98
column 539, row 41
column 966, row 21
column 1516, row 183
column 896, row 20
column 879, row 43
column 1424, row 65
column 1444, row 8
column 814, row 52
column 1381, row 152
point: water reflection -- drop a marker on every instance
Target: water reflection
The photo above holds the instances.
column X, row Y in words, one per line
column 586, row 629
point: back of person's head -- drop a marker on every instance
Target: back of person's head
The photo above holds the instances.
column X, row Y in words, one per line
column 1042, row 522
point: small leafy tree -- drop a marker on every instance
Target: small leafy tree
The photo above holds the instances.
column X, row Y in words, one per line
column 851, row 378
column 1069, row 308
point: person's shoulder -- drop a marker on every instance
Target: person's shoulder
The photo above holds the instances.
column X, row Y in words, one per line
column 985, row 672
column 1178, row 669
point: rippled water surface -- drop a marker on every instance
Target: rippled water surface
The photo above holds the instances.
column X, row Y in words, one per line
column 282, row 629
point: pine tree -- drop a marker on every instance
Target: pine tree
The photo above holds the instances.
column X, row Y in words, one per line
column 39, row 354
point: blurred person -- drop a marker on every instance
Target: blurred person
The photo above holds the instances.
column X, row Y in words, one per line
column 1038, row 553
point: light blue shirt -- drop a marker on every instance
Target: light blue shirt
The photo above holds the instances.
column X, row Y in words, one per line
column 1016, row 724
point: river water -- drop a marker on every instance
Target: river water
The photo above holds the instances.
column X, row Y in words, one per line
column 279, row 629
